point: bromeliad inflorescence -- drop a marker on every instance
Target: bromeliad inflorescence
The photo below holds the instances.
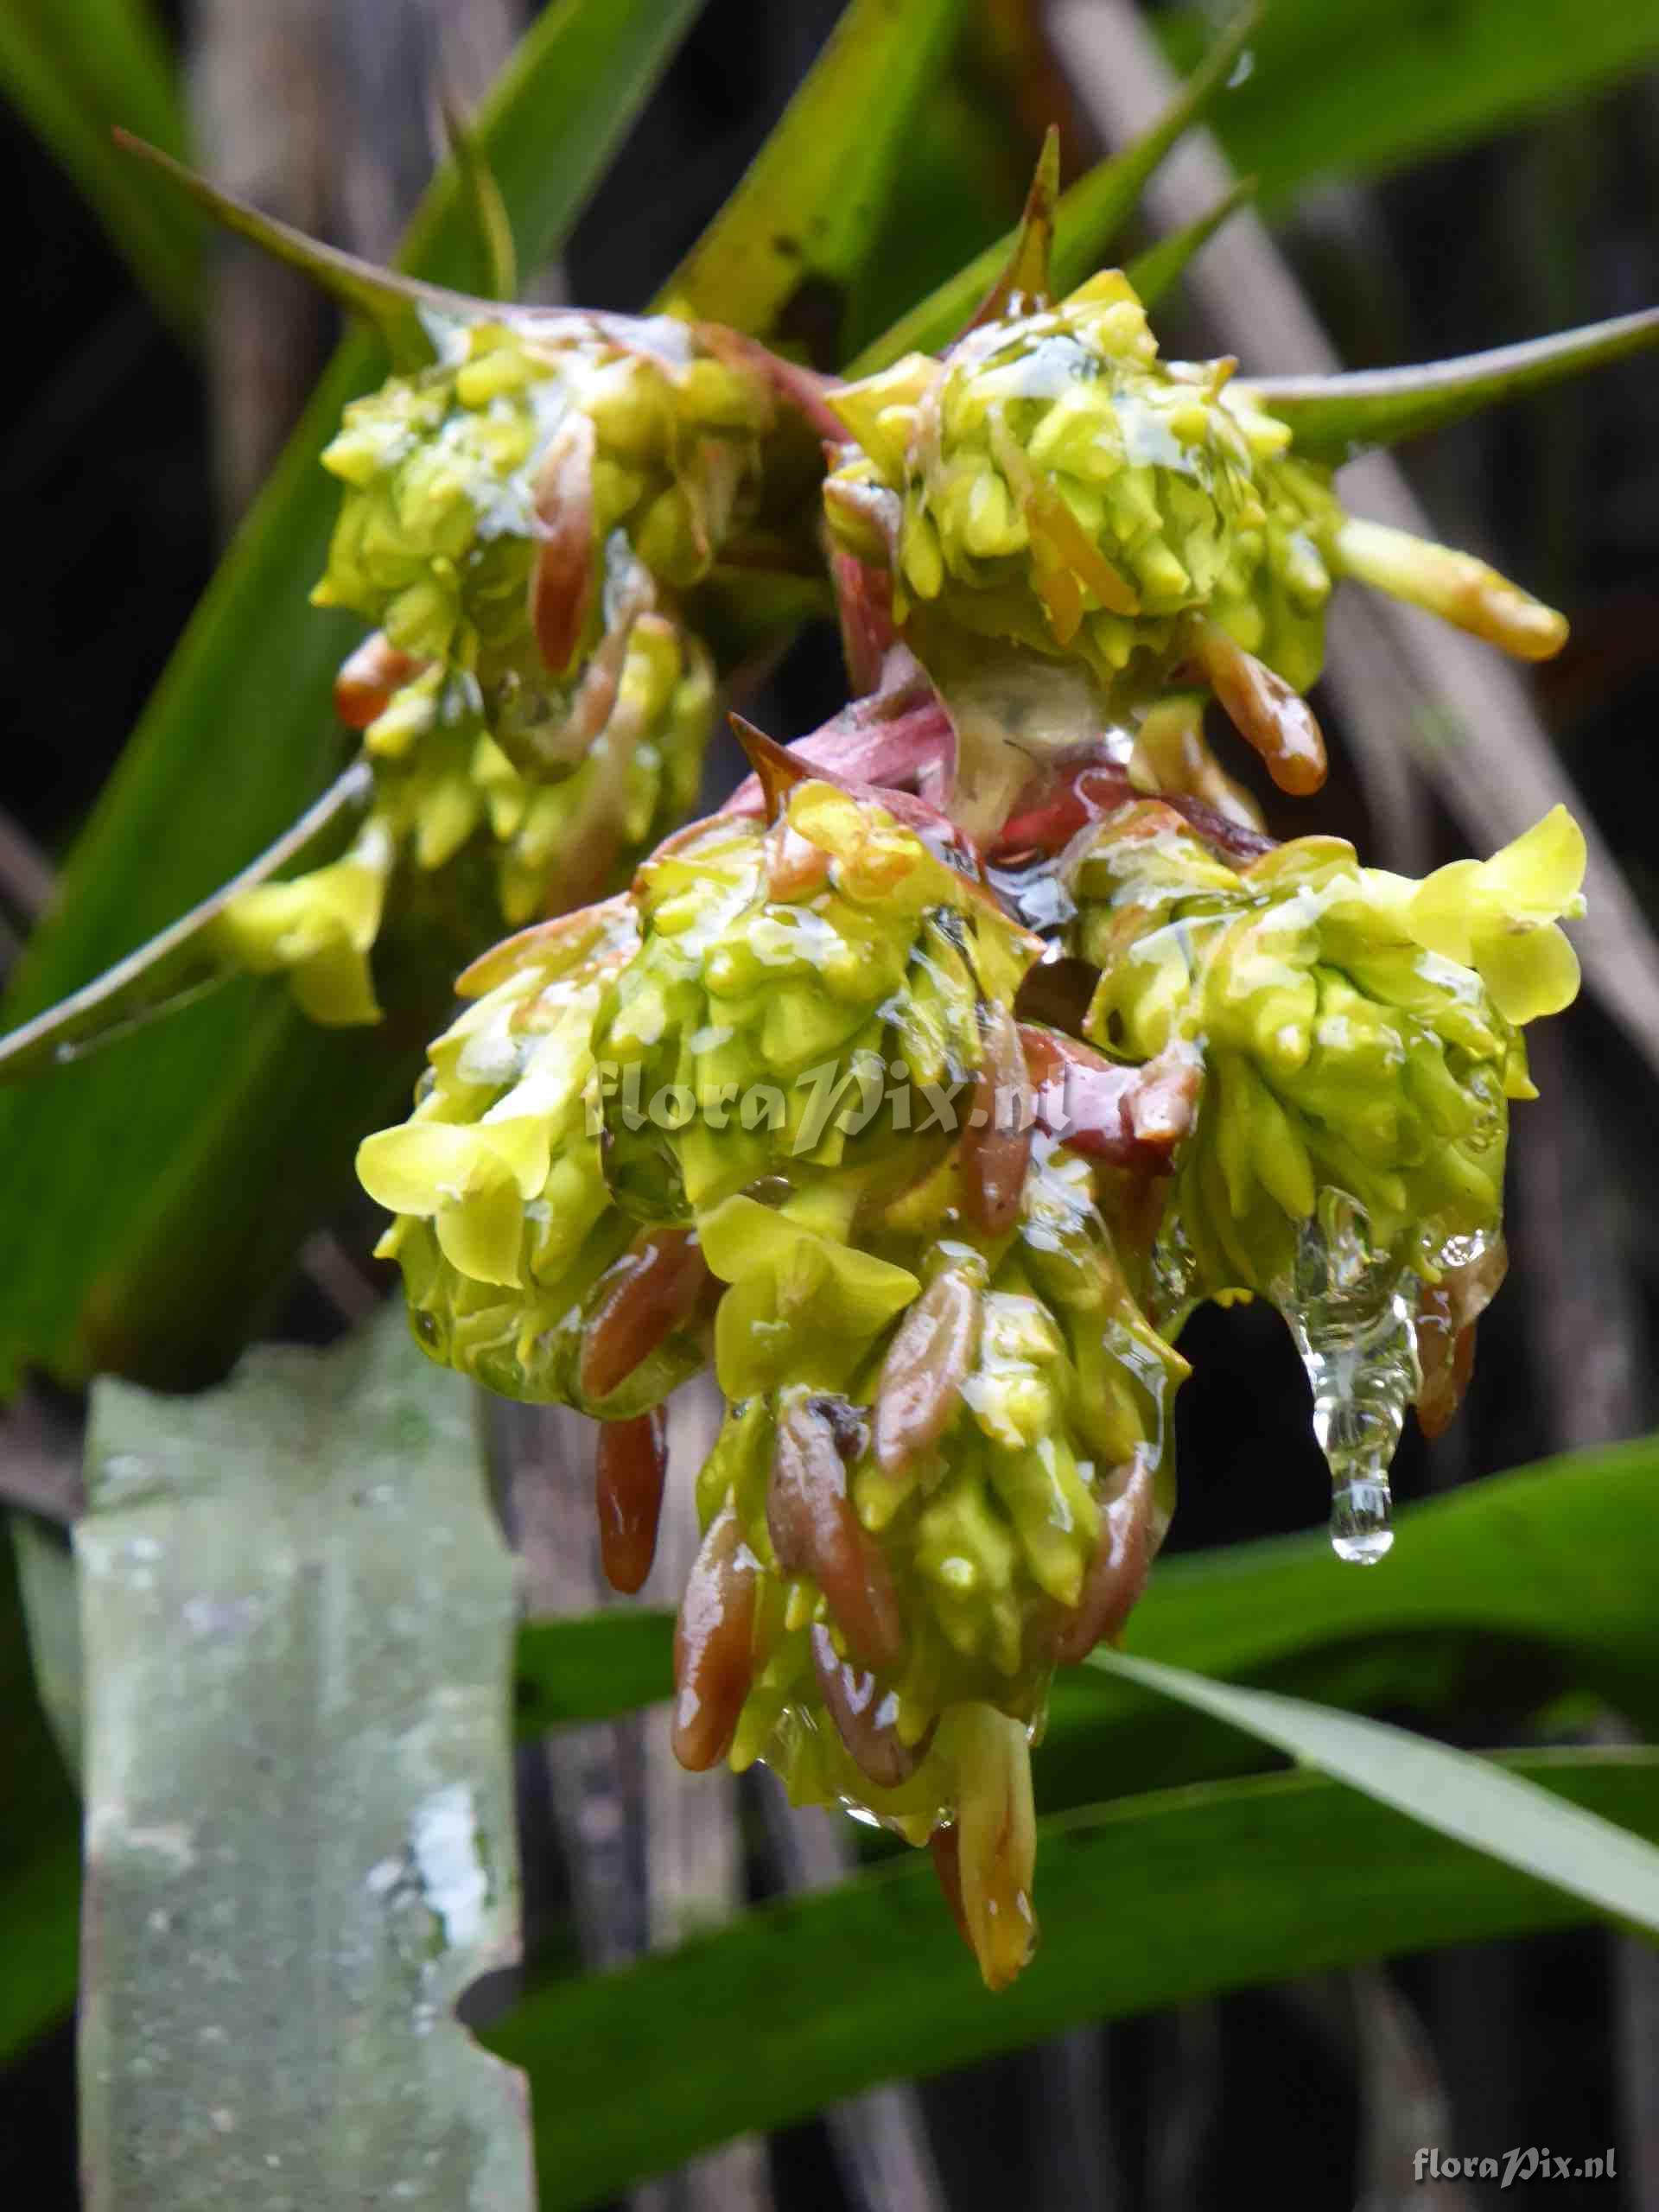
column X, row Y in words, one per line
column 794, row 1094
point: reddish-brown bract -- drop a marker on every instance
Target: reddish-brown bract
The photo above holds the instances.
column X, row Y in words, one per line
column 815, row 1530
column 1446, row 1315
column 1276, row 720
column 923, row 1374
column 996, row 1142
column 1087, row 788
column 561, row 581
column 629, row 1471
column 368, row 677
column 647, row 1294
column 1117, row 1573
column 944, row 1845
column 864, row 1713
column 1132, row 1116
column 714, row 1644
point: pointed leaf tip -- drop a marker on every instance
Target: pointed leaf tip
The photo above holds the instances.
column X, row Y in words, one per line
column 391, row 301
column 1087, row 218
column 491, row 221
column 1025, row 284
column 777, row 770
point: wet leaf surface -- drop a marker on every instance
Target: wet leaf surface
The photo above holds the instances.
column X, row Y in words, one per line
column 297, row 1615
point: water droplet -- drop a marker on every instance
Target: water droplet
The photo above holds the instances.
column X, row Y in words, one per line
column 1359, row 1521
column 1350, row 1309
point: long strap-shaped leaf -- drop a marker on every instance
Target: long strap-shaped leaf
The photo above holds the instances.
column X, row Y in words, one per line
column 390, row 300
column 1087, row 218
column 1471, row 1800
column 778, row 259
column 1353, row 87
column 296, row 1613
column 1153, row 1901
column 151, row 1263
column 1156, row 272
column 1336, row 417
column 1527, row 1584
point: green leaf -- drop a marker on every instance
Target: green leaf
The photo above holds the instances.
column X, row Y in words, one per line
column 1354, row 87
column 1152, row 1901
column 1088, row 217
column 596, row 1667
column 73, row 72
column 1471, row 1800
column 156, row 1195
column 297, row 1614
column 1333, row 418
column 779, row 259
column 1520, row 1586
column 489, row 218
column 390, row 301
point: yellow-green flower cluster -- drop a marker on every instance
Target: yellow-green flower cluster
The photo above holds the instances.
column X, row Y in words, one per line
column 1360, row 1033
column 935, row 1516
column 510, row 1246
column 519, row 520
column 510, row 509
column 989, row 1421
column 945, row 1464
column 442, row 779
column 1053, row 483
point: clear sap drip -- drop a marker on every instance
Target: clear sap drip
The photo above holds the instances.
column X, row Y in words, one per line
column 1350, row 1309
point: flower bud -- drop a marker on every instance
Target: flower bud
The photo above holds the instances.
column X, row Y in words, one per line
column 1053, row 483
column 807, row 999
column 498, row 502
column 1050, row 490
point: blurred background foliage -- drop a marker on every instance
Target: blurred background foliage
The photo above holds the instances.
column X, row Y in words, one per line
column 1441, row 177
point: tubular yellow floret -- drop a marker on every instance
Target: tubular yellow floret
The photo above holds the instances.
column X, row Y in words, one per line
column 1457, row 587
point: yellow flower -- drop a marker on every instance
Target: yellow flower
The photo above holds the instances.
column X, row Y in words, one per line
column 1499, row 916
column 318, row 928
column 472, row 1182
